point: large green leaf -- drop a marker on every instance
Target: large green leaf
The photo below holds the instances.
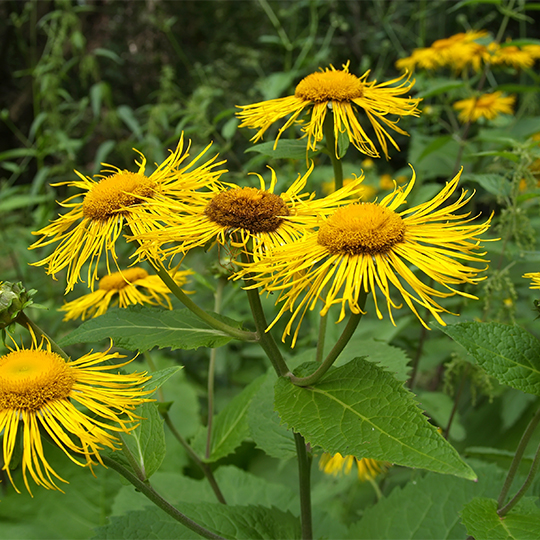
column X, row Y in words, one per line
column 507, row 352
column 140, row 328
column 359, row 409
column 234, row 522
column 426, row 508
column 482, row 521
column 230, row 426
column 264, row 424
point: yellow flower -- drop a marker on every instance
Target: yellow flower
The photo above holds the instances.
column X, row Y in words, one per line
column 368, row 247
column 368, row 468
column 254, row 219
column 386, row 182
column 535, row 277
column 38, row 391
column 342, row 93
column 487, row 106
column 511, row 55
column 93, row 225
column 365, row 191
column 125, row 288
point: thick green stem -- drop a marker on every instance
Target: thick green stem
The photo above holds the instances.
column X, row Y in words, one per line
column 517, row 458
column 148, row 491
column 23, row 320
column 321, row 338
column 194, row 308
column 345, row 337
column 331, row 146
column 304, row 476
column 528, row 481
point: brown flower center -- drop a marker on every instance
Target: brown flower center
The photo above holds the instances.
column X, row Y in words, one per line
column 329, row 86
column 119, row 280
column 29, row 379
column 247, row 208
column 114, row 193
column 358, row 229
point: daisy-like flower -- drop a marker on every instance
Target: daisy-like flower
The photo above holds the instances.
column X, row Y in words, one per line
column 38, row 395
column 368, row 469
column 510, row 55
column 487, row 106
column 251, row 219
column 125, row 288
column 368, row 247
column 92, row 227
column 343, row 95
column 535, row 279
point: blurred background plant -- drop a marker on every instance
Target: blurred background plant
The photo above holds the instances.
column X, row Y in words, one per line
column 85, row 82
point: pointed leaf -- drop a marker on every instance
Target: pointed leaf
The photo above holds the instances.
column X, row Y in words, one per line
column 359, row 409
column 482, row 521
column 159, row 377
column 284, row 149
column 142, row 328
column 507, row 352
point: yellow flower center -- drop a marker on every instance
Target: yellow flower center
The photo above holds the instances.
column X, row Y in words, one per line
column 361, row 229
column 119, row 280
column 329, row 86
column 29, row 379
column 247, row 208
column 112, row 194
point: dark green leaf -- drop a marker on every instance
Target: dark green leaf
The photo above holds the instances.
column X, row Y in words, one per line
column 284, row 149
column 359, row 409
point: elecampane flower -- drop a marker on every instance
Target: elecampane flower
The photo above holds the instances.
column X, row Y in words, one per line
column 487, row 106
column 251, row 219
column 535, row 278
column 343, row 95
column 128, row 287
column 38, row 395
column 336, row 464
column 367, row 248
column 511, row 55
column 92, row 227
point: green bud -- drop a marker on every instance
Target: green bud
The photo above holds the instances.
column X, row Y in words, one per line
column 13, row 299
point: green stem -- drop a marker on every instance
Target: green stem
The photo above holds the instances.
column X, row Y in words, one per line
column 517, row 458
column 236, row 333
column 456, row 400
column 206, row 470
column 345, row 337
column 528, row 481
column 304, row 476
column 328, row 127
column 321, row 338
column 148, row 491
column 23, row 320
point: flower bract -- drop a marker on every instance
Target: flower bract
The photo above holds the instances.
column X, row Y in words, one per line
column 344, row 96
column 43, row 395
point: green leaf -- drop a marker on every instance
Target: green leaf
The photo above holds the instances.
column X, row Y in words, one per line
column 285, row 149
column 441, row 86
column 142, row 328
column 264, row 424
column 439, row 407
column 507, row 352
column 359, row 409
column 159, row 377
column 427, row 507
column 493, row 183
column 508, row 155
column 230, row 426
column 435, row 145
column 482, row 521
column 146, row 442
column 234, row 522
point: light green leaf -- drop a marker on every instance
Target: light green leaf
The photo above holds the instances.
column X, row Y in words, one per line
column 230, row 426
column 285, row 149
column 234, row 522
column 146, row 442
column 142, row 328
column 359, row 409
column 427, row 507
column 508, row 353
column 495, row 153
column 264, row 424
column 159, row 377
column 482, row 521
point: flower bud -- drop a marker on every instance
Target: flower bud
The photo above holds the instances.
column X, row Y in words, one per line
column 13, row 299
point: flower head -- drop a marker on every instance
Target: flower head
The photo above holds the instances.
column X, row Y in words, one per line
column 511, row 55
column 369, row 247
column 343, row 95
column 487, row 106
column 38, row 391
column 535, row 277
column 336, row 464
column 125, row 288
column 92, row 227
column 251, row 219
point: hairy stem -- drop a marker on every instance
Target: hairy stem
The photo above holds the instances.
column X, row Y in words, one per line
column 304, row 476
